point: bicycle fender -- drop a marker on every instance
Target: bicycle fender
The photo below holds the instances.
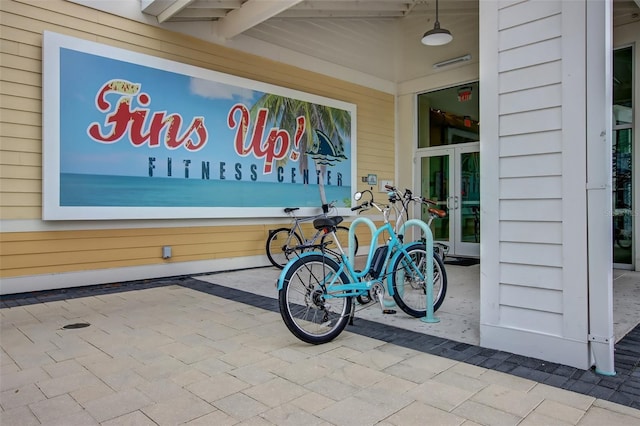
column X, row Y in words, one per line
column 283, row 273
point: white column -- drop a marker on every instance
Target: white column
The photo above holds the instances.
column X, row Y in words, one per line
column 599, row 196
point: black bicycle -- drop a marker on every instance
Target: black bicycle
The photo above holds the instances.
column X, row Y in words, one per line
column 283, row 244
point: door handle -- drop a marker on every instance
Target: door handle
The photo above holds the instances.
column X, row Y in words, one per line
column 455, row 202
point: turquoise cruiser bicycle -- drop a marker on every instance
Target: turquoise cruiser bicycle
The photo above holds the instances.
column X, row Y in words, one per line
column 316, row 292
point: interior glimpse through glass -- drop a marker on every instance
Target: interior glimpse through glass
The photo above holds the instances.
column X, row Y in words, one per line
column 622, row 164
column 449, row 116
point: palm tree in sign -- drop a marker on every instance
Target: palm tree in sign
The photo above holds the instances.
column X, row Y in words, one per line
column 325, row 131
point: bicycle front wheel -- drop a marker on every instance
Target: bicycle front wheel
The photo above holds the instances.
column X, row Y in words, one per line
column 409, row 291
column 281, row 245
column 309, row 312
column 342, row 233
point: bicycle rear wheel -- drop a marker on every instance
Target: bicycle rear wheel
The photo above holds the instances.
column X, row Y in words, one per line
column 410, row 292
column 342, row 233
column 311, row 314
column 280, row 246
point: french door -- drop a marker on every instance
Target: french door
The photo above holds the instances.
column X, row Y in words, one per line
column 451, row 177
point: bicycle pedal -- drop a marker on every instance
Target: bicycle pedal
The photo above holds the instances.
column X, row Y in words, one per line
column 389, row 311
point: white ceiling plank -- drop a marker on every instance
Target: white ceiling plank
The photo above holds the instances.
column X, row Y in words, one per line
column 176, row 7
column 252, row 13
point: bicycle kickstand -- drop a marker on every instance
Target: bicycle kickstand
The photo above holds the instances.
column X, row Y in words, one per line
column 352, row 314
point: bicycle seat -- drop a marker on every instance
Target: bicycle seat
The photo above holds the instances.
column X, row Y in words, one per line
column 327, row 222
column 291, row 209
column 437, row 212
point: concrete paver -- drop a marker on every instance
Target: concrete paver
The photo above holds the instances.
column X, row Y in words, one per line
column 172, row 354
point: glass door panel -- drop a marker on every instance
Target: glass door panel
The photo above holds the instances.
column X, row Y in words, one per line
column 470, row 197
column 435, row 180
column 467, row 201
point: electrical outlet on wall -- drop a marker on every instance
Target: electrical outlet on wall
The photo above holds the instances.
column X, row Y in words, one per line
column 382, row 185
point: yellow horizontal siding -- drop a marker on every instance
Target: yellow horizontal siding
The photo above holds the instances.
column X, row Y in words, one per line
column 20, row 76
column 30, row 131
column 30, row 253
column 14, row 88
column 8, row 46
column 21, row 63
column 21, row 199
column 378, row 149
column 16, row 116
column 16, row 103
column 20, row 158
column 20, row 185
column 21, row 145
column 62, row 251
column 120, row 232
column 19, row 212
column 19, row 172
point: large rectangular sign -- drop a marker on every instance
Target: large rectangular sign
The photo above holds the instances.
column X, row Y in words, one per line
column 131, row 136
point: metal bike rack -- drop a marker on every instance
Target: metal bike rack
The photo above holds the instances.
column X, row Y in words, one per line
column 428, row 236
column 352, row 235
column 429, row 317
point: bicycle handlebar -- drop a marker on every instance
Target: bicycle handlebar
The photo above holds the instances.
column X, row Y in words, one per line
column 405, row 199
column 369, row 204
column 408, row 195
column 360, row 207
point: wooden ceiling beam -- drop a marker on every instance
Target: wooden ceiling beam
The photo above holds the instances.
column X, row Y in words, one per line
column 252, row 13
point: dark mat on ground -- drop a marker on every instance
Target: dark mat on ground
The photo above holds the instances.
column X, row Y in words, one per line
column 461, row 261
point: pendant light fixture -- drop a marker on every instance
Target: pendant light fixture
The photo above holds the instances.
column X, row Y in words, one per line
column 437, row 36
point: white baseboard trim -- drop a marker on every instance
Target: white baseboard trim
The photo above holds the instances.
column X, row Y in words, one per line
column 536, row 345
column 29, row 283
